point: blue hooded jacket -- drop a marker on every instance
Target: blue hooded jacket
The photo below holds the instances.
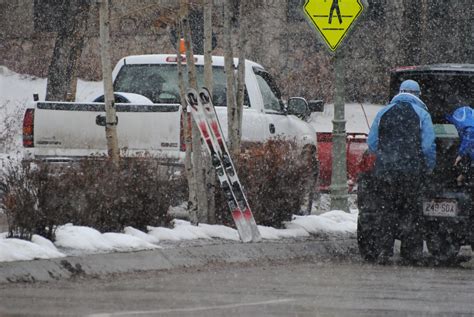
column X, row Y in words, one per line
column 427, row 135
column 463, row 119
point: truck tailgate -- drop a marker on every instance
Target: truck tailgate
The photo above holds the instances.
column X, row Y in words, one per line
column 71, row 129
column 356, row 146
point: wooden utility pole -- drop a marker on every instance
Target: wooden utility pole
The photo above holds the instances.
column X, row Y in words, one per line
column 199, row 168
column 210, row 174
column 241, row 73
column 62, row 79
column 208, row 78
column 188, row 165
column 109, row 99
column 232, row 122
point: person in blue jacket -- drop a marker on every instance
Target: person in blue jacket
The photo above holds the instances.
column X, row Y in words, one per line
column 403, row 140
column 463, row 119
column 402, row 134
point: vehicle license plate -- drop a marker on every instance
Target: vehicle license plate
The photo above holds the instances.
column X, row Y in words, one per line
column 440, row 208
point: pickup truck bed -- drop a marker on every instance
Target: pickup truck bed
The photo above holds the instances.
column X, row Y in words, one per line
column 356, row 146
column 77, row 129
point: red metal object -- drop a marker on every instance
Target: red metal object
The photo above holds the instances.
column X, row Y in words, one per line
column 358, row 160
column 28, row 128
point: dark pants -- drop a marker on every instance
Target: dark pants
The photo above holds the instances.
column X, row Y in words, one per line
column 400, row 203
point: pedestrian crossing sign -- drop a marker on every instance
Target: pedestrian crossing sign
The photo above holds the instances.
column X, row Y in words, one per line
column 332, row 19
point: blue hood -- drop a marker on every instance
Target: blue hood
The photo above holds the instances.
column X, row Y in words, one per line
column 462, row 118
column 412, row 99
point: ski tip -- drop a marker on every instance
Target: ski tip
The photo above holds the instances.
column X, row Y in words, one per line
column 205, row 95
column 191, row 96
column 205, row 91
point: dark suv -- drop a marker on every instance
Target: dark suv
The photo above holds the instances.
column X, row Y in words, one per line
column 446, row 208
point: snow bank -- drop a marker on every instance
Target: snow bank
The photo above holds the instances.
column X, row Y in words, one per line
column 81, row 238
column 21, row 250
column 125, row 242
column 72, row 238
column 335, row 221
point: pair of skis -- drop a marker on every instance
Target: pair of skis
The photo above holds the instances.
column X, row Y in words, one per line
column 203, row 112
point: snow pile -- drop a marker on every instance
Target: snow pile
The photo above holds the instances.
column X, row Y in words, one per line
column 21, row 250
column 335, row 221
column 88, row 239
column 78, row 239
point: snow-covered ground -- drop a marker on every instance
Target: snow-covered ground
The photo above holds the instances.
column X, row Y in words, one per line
column 16, row 93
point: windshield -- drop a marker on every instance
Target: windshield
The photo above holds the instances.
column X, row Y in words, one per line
column 441, row 92
column 160, row 84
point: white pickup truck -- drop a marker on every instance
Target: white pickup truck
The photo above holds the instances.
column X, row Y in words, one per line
column 149, row 113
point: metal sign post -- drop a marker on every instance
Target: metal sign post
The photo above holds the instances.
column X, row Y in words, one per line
column 339, row 188
column 333, row 20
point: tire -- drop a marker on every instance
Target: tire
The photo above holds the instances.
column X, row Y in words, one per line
column 443, row 247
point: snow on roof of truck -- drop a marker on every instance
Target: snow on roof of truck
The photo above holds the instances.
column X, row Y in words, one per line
column 447, row 67
column 171, row 59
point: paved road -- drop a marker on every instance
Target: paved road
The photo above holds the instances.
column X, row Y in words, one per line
column 307, row 288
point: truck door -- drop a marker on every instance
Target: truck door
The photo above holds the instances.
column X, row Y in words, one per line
column 253, row 122
column 278, row 123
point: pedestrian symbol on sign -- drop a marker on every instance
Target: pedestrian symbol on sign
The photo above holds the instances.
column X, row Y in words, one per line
column 335, row 6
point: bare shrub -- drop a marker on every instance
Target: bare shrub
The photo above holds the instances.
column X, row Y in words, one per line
column 136, row 194
column 31, row 202
column 275, row 177
column 41, row 196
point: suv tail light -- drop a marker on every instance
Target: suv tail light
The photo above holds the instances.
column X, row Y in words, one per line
column 28, row 125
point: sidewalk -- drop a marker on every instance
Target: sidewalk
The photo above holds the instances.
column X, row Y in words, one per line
column 198, row 254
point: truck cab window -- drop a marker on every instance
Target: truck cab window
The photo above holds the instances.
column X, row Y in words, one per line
column 270, row 93
column 160, row 84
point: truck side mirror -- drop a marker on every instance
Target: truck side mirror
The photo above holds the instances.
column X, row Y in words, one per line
column 299, row 107
column 316, row 105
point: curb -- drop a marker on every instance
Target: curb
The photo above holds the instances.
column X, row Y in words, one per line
column 172, row 258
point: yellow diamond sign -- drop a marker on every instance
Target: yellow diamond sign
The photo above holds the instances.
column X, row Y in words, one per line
column 333, row 18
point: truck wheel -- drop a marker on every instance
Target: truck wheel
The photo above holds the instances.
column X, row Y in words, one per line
column 443, row 247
